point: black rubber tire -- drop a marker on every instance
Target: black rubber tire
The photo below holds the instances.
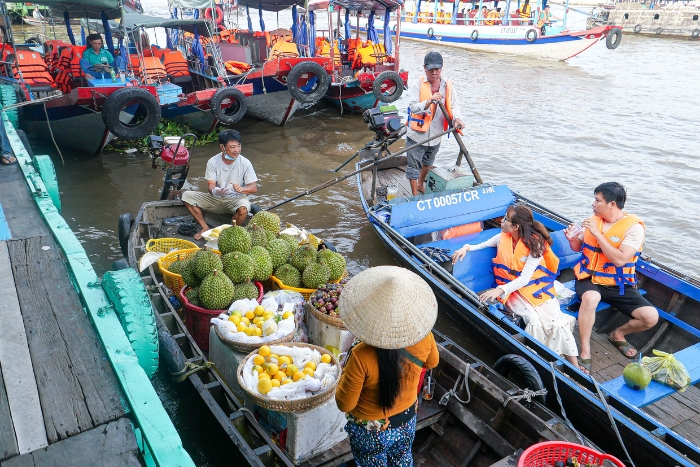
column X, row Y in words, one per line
column 695, row 33
column 524, row 368
column 121, row 98
column 235, row 112
column 659, row 31
column 321, row 87
column 120, row 264
column 430, row 33
column 33, row 40
column 638, row 29
column 388, row 76
column 475, row 35
column 23, row 137
column 170, row 352
column 531, row 35
column 614, row 38
column 124, row 224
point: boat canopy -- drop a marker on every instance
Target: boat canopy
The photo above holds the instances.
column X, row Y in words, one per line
column 84, row 8
column 266, row 5
column 368, row 5
column 137, row 20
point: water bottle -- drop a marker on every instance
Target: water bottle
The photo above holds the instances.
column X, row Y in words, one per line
column 174, row 302
column 114, row 76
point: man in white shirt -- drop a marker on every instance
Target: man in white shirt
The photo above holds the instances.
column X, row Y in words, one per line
column 230, row 177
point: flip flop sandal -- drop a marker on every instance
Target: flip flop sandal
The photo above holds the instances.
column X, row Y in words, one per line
column 624, row 347
column 585, row 363
column 6, row 159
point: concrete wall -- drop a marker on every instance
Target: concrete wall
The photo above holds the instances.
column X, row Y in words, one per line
column 656, row 22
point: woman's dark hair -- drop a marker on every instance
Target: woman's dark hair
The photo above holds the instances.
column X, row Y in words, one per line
column 227, row 136
column 532, row 233
column 612, row 191
column 391, row 370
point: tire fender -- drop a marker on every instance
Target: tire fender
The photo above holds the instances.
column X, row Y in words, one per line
column 638, row 29
column 315, row 95
column 430, row 33
column 124, row 224
column 235, row 112
column 388, row 76
column 509, row 362
column 695, row 33
column 474, row 35
column 614, row 38
column 132, row 305
column 121, row 98
column 659, row 31
column 531, row 35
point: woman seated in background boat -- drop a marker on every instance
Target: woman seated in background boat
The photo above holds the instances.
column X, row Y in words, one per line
column 525, row 269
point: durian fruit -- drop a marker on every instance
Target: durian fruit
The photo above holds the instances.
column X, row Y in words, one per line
column 205, row 263
column 263, row 263
column 176, row 267
column 258, row 235
column 334, row 261
column 270, row 236
column 193, row 296
column 239, row 267
column 315, row 275
column 302, row 257
column 245, row 290
column 188, row 275
column 280, row 252
column 267, row 220
column 289, row 275
column 292, row 240
column 216, row 291
column 234, row 239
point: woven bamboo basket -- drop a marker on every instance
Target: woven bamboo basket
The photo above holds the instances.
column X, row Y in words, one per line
column 244, row 347
column 174, row 281
column 334, row 321
column 295, row 405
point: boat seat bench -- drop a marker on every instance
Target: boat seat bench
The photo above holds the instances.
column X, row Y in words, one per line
column 572, row 308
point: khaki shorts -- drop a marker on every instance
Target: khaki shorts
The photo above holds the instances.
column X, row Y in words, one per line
column 210, row 203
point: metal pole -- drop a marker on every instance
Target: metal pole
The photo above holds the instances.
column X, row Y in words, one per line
column 373, row 193
column 462, row 147
column 398, row 38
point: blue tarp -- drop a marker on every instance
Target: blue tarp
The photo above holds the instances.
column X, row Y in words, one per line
column 250, row 21
column 388, row 42
column 371, row 30
column 312, row 35
column 302, row 39
column 69, row 30
column 455, row 10
column 197, row 50
column 347, row 24
column 295, row 20
column 415, row 16
column 262, row 23
column 82, row 35
column 108, row 33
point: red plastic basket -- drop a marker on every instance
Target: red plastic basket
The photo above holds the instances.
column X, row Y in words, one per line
column 198, row 319
column 547, row 453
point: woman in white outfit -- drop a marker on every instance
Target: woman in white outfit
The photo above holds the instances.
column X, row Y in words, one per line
column 525, row 269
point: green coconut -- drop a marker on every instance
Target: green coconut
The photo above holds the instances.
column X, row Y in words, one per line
column 637, row 376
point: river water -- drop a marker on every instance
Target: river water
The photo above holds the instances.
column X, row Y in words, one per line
column 550, row 130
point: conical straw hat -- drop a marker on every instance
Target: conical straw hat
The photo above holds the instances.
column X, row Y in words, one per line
column 388, row 307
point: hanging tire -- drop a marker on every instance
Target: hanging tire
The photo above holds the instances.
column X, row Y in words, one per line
column 659, row 31
column 475, row 35
column 614, row 38
column 33, row 40
column 120, row 264
column 124, row 224
column 431, row 33
column 235, row 111
column 509, row 362
column 531, row 35
column 131, row 303
column 139, row 126
column 318, row 89
column 383, row 77
column 638, row 29
column 695, row 33
column 8, row 96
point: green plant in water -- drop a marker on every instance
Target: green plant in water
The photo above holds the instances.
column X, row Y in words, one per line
column 164, row 128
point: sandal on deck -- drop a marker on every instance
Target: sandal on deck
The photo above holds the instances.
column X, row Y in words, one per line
column 7, row 159
column 585, row 363
column 624, row 347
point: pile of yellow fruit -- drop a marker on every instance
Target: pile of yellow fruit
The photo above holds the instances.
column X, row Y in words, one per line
column 275, row 371
column 257, row 322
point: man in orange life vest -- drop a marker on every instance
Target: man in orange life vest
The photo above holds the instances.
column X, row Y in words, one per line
column 426, row 119
column 610, row 242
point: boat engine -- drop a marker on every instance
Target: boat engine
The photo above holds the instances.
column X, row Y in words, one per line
column 174, row 153
column 384, row 121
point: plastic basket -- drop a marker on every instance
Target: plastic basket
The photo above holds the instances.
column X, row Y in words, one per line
column 279, row 285
column 541, row 454
column 197, row 319
column 168, row 245
column 174, row 281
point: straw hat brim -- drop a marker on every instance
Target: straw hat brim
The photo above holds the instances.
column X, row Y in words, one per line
column 388, row 307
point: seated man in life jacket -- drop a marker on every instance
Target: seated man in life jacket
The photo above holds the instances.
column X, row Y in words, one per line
column 545, row 19
column 610, row 242
column 525, row 269
column 230, row 177
column 426, row 119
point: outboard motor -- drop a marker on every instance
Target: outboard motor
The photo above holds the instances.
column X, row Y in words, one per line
column 174, row 152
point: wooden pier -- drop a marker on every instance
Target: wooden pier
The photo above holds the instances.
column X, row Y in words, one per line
column 60, row 401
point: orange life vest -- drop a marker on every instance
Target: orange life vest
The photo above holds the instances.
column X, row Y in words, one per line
column 545, row 17
column 509, row 263
column 597, row 266
column 420, row 121
column 525, row 11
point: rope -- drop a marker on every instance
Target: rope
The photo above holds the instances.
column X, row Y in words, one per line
column 612, row 419
column 190, row 368
column 561, row 405
column 48, row 122
column 526, row 394
column 453, row 392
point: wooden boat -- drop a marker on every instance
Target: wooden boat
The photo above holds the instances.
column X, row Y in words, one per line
column 658, row 426
column 488, row 429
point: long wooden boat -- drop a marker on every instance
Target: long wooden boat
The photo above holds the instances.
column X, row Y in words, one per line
column 488, row 429
column 659, row 426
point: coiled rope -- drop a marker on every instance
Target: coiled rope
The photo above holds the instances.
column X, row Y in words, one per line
column 526, row 394
column 189, row 369
column 445, row 399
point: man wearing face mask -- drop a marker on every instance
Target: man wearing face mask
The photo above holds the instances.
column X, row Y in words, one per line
column 230, row 177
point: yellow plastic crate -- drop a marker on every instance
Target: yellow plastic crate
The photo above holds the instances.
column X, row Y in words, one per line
column 168, row 245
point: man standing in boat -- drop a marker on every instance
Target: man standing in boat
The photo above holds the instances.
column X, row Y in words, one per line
column 426, row 119
column 610, row 242
column 230, row 177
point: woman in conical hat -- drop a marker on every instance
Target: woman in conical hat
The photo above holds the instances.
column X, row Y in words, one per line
column 392, row 311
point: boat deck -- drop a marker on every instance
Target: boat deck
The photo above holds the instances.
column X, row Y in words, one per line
column 60, row 401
